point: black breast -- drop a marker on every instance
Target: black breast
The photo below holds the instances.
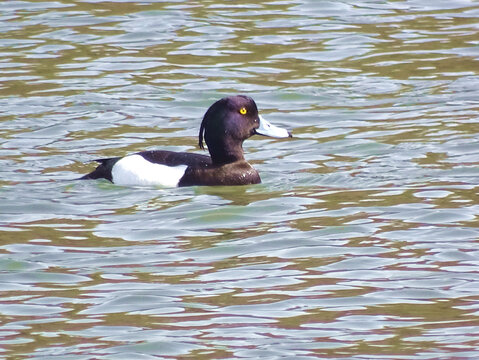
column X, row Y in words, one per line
column 235, row 173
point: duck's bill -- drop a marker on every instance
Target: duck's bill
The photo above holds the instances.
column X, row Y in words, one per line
column 267, row 129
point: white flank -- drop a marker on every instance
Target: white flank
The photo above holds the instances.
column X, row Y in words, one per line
column 134, row 170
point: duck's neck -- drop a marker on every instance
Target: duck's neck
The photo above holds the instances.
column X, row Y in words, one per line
column 227, row 153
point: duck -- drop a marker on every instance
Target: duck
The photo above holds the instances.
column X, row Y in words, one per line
column 225, row 126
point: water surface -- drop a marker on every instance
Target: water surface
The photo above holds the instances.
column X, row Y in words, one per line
column 361, row 242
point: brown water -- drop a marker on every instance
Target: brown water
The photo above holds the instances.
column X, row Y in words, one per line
column 362, row 241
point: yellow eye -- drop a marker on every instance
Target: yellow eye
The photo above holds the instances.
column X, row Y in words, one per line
column 243, row 111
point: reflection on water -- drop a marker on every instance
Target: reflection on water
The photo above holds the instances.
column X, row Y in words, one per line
column 360, row 243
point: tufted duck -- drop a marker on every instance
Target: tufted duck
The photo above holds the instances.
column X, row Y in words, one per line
column 226, row 124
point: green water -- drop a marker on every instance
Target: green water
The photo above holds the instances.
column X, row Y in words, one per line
column 361, row 242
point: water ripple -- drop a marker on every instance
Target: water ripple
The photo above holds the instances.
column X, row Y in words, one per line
column 360, row 243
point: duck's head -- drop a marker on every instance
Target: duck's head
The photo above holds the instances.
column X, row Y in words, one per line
column 230, row 121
